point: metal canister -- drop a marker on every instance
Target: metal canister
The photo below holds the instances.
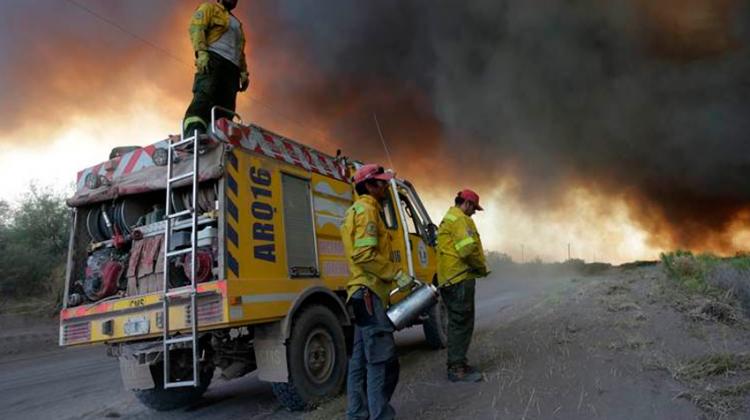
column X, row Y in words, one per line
column 403, row 313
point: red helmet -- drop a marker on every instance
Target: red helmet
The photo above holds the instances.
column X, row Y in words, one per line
column 470, row 195
column 371, row 171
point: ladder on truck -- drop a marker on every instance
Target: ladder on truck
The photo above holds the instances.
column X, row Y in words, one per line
column 172, row 294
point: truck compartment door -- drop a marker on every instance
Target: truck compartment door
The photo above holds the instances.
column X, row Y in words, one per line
column 299, row 230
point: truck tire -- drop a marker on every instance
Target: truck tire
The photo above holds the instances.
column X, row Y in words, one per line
column 161, row 399
column 435, row 327
column 316, row 355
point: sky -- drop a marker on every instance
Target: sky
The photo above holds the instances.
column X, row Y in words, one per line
column 617, row 127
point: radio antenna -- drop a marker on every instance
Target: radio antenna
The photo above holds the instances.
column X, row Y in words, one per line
column 382, row 139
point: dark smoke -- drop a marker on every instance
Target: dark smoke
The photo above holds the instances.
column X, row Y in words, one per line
column 644, row 100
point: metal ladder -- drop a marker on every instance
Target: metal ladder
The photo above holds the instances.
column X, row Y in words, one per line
column 189, row 291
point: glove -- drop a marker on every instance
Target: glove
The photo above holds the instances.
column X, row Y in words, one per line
column 201, row 62
column 403, row 279
column 244, row 81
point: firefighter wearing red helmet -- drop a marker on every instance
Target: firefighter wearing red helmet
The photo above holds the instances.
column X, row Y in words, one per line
column 373, row 367
column 460, row 262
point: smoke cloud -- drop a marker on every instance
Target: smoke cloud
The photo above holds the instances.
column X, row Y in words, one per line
column 642, row 101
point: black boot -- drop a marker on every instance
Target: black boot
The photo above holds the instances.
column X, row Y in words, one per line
column 192, row 128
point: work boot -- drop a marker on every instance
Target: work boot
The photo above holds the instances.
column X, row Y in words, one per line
column 192, row 128
column 463, row 373
column 471, row 370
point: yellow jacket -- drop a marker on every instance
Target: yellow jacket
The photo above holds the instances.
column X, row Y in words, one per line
column 460, row 253
column 367, row 244
column 208, row 24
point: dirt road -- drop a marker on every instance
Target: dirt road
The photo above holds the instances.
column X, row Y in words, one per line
column 551, row 346
column 53, row 383
column 38, row 380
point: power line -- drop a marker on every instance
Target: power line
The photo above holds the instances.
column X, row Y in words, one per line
column 126, row 31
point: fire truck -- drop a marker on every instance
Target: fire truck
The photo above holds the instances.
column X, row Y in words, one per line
column 220, row 254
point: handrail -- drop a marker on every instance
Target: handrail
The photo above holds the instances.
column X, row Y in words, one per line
column 221, row 108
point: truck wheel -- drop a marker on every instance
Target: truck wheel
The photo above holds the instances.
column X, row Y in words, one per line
column 435, row 327
column 161, row 399
column 316, row 355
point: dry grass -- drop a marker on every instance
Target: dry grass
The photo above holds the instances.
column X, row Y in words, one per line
column 719, row 402
column 712, row 403
column 712, row 365
column 696, row 374
column 620, row 306
column 630, row 343
column 616, row 289
column 715, row 311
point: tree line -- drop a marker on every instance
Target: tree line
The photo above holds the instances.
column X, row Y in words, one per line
column 34, row 234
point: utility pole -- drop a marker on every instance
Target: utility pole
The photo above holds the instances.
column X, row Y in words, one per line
column 522, row 257
column 568, row 251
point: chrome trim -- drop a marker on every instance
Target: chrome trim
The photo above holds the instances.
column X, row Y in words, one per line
column 402, row 213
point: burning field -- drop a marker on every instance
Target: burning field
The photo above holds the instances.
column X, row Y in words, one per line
column 620, row 126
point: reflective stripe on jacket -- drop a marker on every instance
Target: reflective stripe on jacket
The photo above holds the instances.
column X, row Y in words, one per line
column 367, row 244
column 209, row 22
column 460, row 253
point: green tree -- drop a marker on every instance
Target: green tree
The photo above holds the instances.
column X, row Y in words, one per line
column 5, row 214
column 33, row 242
column 43, row 219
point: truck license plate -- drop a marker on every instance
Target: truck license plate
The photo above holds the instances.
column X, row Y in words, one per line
column 136, row 326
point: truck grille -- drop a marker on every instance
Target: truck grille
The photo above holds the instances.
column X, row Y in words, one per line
column 77, row 333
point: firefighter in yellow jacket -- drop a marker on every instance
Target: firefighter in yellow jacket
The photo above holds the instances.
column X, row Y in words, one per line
column 373, row 367
column 460, row 262
column 221, row 70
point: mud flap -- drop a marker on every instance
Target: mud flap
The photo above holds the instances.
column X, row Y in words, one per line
column 270, row 353
column 135, row 376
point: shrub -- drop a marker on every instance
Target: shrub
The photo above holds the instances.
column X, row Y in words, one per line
column 686, row 269
column 709, row 274
column 33, row 243
column 734, row 278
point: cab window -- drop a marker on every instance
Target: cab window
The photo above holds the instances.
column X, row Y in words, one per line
column 413, row 223
column 389, row 213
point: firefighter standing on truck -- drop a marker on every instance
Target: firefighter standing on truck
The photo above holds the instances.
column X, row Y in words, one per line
column 373, row 367
column 460, row 262
column 221, row 70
